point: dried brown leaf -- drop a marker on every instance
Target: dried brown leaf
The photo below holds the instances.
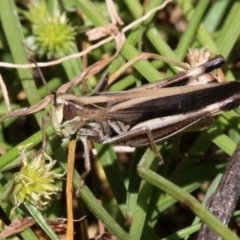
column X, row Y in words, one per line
column 17, row 226
column 100, row 32
column 113, row 28
column 27, row 110
column 91, row 70
column 115, row 19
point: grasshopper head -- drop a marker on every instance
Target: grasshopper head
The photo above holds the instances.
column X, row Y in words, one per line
column 64, row 117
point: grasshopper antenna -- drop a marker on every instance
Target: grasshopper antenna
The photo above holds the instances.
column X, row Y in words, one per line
column 55, row 99
column 32, row 59
column 102, row 84
column 44, row 119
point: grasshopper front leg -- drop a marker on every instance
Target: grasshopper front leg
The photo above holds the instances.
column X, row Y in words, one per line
column 87, row 163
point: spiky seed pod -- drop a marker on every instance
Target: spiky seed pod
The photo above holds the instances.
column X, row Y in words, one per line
column 53, row 35
column 34, row 183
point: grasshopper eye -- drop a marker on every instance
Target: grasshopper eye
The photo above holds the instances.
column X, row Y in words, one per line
column 69, row 112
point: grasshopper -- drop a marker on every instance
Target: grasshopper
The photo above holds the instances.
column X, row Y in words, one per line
column 144, row 115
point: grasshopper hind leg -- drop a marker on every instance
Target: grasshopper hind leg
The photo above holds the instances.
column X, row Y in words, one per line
column 127, row 138
column 151, row 143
